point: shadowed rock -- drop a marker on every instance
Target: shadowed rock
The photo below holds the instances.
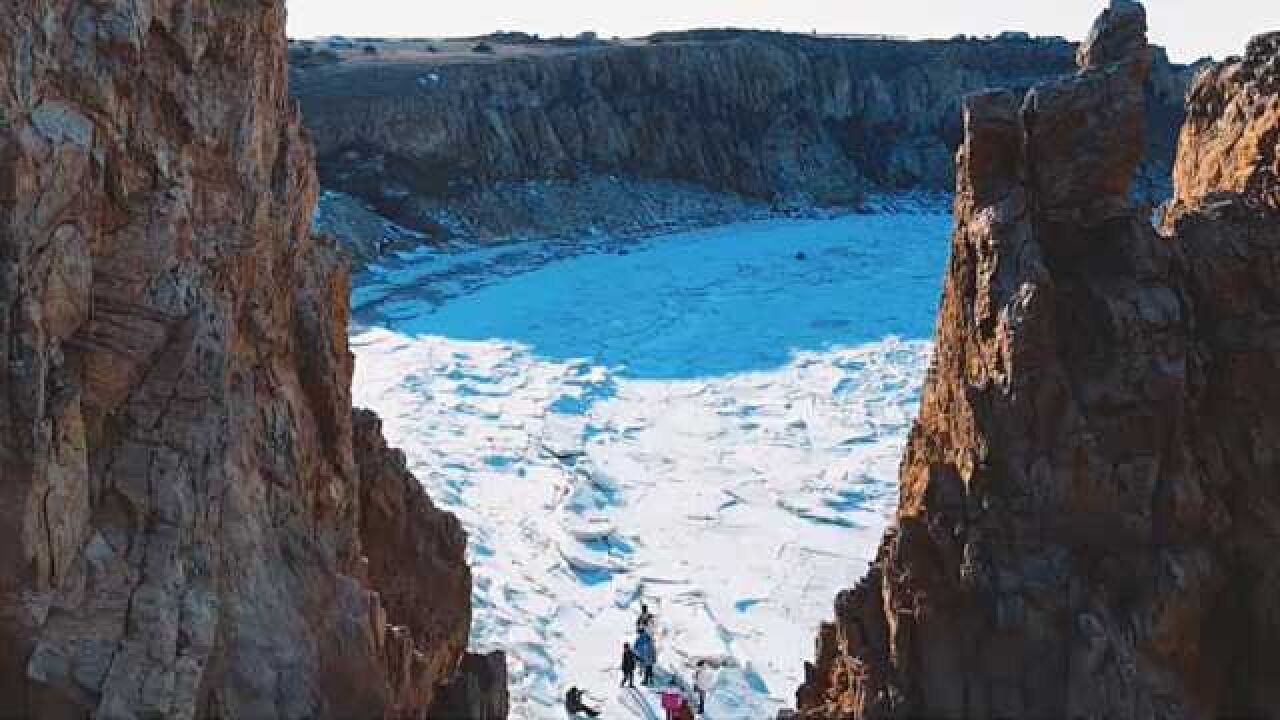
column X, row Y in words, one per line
column 416, row 562
column 438, row 142
column 477, row 692
column 1088, row 513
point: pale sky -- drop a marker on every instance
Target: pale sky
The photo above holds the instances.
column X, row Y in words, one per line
column 1189, row 28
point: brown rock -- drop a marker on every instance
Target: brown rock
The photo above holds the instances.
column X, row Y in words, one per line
column 416, row 560
column 477, row 692
column 1087, row 518
column 179, row 499
column 1231, row 140
column 1118, row 36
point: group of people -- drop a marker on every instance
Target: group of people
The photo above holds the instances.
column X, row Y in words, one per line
column 679, row 706
column 643, row 655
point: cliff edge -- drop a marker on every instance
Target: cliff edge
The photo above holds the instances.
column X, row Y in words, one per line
column 1087, row 524
column 180, row 495
column 685, row 126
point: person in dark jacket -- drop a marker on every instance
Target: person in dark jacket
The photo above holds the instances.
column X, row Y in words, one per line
column 645, row 619
column 573, row 703
column 647, row 654
column 628, row 666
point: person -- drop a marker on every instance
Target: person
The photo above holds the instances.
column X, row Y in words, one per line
column 702, row 684
column 645, row 619
column 573, row 703
column 628, row 666
column 685, row 711
column 672, row 701
column 647, row 654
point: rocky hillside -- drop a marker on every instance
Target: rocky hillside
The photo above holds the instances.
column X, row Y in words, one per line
column 491, row 146
column 189, row 526
column 1088, row 520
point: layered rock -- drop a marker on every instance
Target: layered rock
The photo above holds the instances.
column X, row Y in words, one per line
column 416, row 560
column 179, row 495
column 428, row 139
column 1088, row 517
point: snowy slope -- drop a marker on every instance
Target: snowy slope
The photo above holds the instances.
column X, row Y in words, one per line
column 709, row 421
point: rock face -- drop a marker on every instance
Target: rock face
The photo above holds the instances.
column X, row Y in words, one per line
column 1231, row 141
column 416, row 560
column 781, row 118
column 1088, row 517
column 180, row 501
column 477, row 692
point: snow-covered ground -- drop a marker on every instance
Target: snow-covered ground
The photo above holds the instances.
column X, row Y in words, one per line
column 709, row 421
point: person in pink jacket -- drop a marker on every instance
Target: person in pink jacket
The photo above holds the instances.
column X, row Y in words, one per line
column 672, row 701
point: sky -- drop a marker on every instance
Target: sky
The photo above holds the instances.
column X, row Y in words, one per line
column 1189, row 28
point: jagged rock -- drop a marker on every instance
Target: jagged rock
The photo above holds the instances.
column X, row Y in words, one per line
column 783, row 118
column 416, row 558
column 477, row 692
column 1118, row 37
column 1088, row 513
column 179, row 499
column 1231, row 141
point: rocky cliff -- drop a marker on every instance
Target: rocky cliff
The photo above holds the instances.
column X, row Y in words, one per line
column 415, row 559
column 180, row 496
column 439, row 142
column 1089, row 520
column 1231, row 141
column 478, row 691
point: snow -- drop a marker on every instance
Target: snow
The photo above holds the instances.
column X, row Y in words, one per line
column 702, row 421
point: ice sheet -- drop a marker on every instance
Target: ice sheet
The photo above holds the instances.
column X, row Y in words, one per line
column 710, row 421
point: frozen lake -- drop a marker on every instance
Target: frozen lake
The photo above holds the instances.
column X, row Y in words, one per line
column 709, row 421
